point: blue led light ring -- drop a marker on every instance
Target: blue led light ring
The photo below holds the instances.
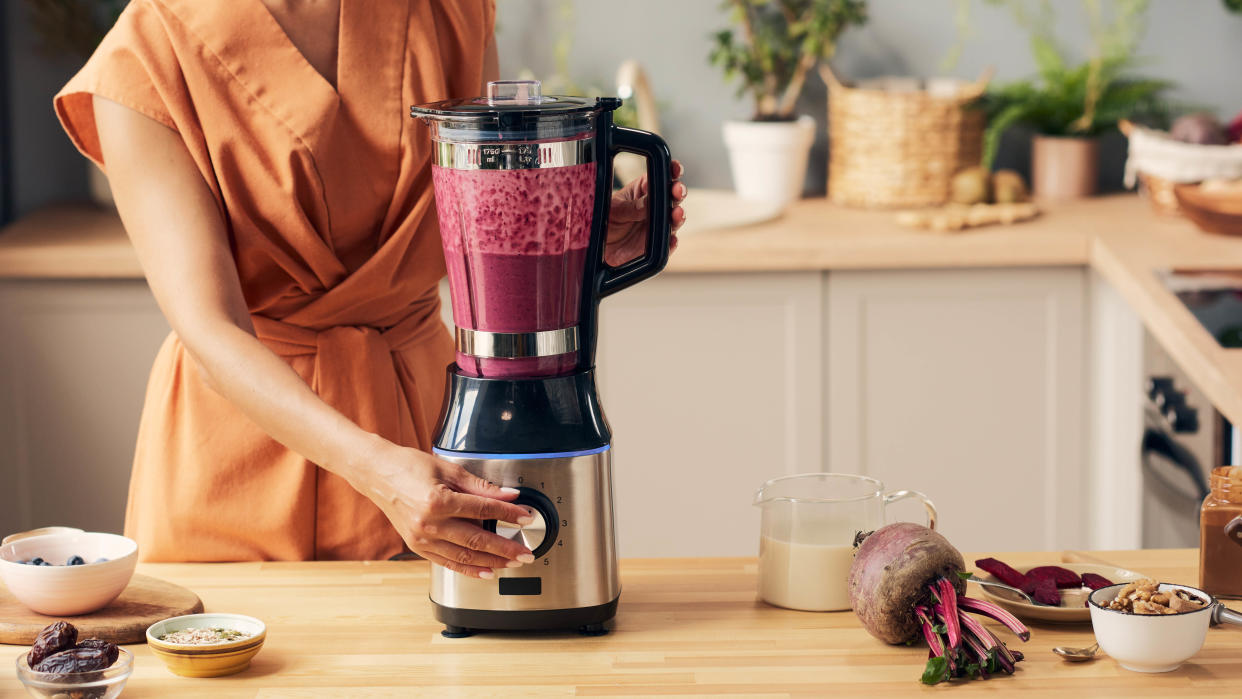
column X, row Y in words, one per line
column 519, row 457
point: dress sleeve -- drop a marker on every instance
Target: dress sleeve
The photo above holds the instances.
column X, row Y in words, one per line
column 135, row 65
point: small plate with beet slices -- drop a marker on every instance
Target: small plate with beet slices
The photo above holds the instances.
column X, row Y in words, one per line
column 1050, row 582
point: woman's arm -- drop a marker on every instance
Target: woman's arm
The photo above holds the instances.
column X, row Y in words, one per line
column 179, row 234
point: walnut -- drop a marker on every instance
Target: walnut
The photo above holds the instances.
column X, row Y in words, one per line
column 1180, row 603
column 1144, row 597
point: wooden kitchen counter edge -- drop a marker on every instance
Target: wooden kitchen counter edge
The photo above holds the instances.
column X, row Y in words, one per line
column 684, row 626
column 1118, row 235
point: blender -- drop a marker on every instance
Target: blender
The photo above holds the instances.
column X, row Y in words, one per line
column 523, row 183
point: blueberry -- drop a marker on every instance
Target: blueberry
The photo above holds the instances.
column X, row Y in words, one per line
column 76, row 561
column 38, row 561
column 101, row 560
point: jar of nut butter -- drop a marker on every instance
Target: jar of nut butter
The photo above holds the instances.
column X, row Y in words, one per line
column 1220, row 534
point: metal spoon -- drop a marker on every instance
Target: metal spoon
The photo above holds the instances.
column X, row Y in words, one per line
column 1025, row 597
column 1077, row 655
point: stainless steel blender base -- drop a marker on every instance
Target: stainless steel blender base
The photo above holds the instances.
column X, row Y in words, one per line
column 573, row 581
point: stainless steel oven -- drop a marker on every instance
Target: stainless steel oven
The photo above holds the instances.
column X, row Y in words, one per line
column 1184, row 438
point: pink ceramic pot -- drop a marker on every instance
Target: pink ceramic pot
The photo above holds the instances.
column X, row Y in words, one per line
column 1064, row 167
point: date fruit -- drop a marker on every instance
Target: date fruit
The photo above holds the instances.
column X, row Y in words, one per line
column 108, row 647
column 52, row 639
column 75, row 660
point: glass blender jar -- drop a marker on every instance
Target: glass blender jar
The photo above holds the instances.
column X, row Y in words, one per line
column 522, row 183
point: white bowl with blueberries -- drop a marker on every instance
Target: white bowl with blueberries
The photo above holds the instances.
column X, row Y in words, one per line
column 67, row 573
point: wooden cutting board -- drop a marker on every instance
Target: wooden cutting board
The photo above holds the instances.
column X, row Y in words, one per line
column 144, row 602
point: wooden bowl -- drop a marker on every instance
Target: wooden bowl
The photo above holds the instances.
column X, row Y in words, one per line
column 1213, row 212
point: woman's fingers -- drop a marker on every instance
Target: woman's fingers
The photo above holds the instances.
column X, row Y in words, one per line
column 467, row 482
column 470, row 570
column 446, row 502
column 678, row 170
column 475, row 538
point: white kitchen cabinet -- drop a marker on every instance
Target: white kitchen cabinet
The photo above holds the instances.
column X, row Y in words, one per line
column 968, row 385
column 712, row 384
column 74, row 361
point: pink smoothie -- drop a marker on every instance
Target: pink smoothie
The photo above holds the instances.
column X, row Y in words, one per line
column 515, row 245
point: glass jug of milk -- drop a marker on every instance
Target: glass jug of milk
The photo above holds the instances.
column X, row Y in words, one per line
column 807, row 531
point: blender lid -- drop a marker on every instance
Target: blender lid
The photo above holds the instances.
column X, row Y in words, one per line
column 509, row 99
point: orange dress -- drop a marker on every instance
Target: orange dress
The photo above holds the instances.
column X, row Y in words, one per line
column 329, row 207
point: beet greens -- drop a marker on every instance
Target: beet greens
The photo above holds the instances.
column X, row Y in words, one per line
column 960, row 645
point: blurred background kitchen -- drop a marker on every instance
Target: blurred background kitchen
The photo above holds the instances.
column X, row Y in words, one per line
column 1004, row 394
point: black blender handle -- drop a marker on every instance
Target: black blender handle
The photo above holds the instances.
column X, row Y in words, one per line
column 659, row 180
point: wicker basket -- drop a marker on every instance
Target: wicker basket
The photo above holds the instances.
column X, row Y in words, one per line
column 891, row 148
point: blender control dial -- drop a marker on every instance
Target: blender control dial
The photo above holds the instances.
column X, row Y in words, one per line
column 539, row 535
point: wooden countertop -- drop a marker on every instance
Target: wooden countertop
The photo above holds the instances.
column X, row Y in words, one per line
column 684, row 626
column 70, row 241
column 1117, row 235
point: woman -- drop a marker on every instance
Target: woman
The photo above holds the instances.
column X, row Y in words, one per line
column 279, row 199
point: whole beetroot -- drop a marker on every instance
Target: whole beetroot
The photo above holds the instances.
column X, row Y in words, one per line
column 890, row 577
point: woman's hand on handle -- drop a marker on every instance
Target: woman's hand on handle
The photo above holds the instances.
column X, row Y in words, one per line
column 628, row 223
column 436, row 506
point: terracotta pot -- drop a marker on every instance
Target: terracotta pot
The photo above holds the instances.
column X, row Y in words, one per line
column 1064, row 167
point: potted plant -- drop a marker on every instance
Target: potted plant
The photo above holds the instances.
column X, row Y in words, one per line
column 770, row 50
column 1068, row 105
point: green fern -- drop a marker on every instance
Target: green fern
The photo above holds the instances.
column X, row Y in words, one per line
column 1076, row 100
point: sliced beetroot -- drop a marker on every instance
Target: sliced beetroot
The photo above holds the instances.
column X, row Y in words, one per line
column 1043, row 588
column 1094, row 581
column 1062, row 577
column 1001, row 571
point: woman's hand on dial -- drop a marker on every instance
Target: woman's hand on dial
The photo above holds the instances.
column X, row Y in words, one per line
column 627, row 219
column 437, row 507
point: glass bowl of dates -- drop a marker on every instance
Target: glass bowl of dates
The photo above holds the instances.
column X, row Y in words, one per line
column 1060, row 590
column 59, row 664
column 206, row 645
column 67, row 574
column 1151, row 627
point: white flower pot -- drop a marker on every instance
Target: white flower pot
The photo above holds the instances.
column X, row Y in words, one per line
column 768, row 158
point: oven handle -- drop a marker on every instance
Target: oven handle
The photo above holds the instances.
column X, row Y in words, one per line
column 1157, row 442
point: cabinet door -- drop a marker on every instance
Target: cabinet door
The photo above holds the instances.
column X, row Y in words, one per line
column 712, row 385
column 74, row 361
column 967, row 385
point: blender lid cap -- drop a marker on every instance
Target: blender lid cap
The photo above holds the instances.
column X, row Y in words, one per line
column 514, row 98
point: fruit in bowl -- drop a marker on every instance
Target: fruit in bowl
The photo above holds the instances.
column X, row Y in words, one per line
column 59, row 664
column 63, row 587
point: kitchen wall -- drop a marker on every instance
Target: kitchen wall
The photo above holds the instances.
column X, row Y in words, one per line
column 45, row 167
column 1193, row 42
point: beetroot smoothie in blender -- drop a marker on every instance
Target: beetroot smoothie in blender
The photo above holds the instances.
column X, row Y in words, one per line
column 515, row 244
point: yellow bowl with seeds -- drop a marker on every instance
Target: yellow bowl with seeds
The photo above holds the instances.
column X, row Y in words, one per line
column 206, row 645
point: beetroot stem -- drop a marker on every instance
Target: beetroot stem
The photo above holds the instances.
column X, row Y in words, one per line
column 990, row 641
column 992, row 611
column 933, row 639
column 948, row 597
